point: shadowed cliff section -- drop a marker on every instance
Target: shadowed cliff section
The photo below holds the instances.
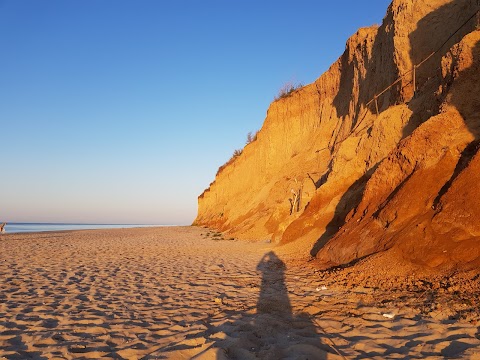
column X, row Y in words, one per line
column 428, row 215
column 424, row 41
column 369, row 177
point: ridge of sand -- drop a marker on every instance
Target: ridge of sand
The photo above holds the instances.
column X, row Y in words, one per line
column 185, row 293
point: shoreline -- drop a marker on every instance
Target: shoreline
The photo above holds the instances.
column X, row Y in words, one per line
column 184, row 292
column 66, row 225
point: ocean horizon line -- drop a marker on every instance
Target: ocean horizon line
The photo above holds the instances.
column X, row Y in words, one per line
column 81, row 223
column 26, row 227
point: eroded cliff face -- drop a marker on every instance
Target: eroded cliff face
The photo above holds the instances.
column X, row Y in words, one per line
column 331, row 176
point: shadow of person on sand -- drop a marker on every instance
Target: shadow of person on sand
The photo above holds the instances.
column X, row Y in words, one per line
column 273, row 297
column 273, row 331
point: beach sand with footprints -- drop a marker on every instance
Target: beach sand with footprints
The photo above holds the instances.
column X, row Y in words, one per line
column 186, row 292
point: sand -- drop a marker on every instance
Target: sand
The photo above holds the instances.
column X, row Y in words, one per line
column 178, row 293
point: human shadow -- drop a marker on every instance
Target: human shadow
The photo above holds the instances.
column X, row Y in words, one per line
column 272, row 330
column 275, row 331
column 273, row 298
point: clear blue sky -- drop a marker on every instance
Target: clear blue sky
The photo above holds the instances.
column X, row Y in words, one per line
column 116, row 111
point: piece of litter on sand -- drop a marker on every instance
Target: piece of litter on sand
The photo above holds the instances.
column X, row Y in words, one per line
column 389, row 315
column 218, row 300
column 321, row 288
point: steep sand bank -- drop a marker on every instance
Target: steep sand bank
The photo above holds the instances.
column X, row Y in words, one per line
column 184, row 292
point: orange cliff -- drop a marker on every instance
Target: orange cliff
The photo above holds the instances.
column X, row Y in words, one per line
column 330, row 176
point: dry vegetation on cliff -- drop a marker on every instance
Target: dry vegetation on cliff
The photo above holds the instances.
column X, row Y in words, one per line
column 251, row 137
column 288, row 89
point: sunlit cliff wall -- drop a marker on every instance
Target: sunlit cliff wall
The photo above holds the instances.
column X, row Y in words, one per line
column 403, row 180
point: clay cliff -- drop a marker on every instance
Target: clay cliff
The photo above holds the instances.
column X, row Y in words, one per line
column 378, row 157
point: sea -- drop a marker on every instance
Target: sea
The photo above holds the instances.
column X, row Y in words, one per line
column 39, row 227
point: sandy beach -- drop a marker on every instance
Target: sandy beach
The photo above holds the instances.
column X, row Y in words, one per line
column 188, row 293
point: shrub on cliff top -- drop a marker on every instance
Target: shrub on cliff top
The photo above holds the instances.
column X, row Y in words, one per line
column 236, row 154
column 288, row 89
column 251, row 137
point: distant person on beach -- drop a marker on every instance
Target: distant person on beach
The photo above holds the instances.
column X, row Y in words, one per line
column 2, row 228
